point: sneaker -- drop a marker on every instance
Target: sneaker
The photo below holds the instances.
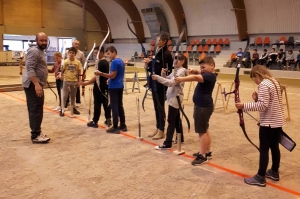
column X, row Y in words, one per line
column 272, row 175
column 199, row 160
column 76, row 112
column 92, row 124
column 162, row 147
column 61, row 114
column 123, row 127
column 208, row 155
column 40, row 139
column 113, row 130
column 256, row 180
column 57, row 108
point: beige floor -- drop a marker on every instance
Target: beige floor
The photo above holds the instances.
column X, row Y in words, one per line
column 81, row 162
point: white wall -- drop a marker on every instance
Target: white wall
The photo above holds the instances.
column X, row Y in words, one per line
column 209, row 17
column 273, row 16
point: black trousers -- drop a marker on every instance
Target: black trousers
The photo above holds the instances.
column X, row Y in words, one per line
column 159, row 113
column 58, row 87
column 78, row 96
column 174, row 123
column 254, row 61
column 116, row 104
column 269, row 139
column 99, row 100
column 35, row 110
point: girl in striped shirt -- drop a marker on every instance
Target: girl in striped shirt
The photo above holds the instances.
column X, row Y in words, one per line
column 268, row 101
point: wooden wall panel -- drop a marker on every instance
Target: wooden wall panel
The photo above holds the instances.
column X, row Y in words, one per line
column 91, row 22
column 26, row 14
column 1, row 12
column 62, row 14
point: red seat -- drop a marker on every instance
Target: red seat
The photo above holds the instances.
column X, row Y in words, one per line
column 189, row 48
column 267, row 41
column 218, row 49
column 199, row 49
column 258, row 41
column 226, row 42
column 152, row 43
column 169, row 43
column 192, row 42
column 205, row 49
column 197, row 42
column 208, row 42
column 202, row 56
column 220, row 42
column 214, row 42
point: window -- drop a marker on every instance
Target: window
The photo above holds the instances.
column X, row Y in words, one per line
column 15, row 45
column 64, row 43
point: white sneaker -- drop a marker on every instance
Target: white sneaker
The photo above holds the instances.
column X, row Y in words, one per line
column 57, row 108
column 40, row 139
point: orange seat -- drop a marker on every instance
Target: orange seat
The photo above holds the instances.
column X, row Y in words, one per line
column 189, row 48
column 220, row 42
column 267, row 41
column 186, row 55
column 199, row 49
column 283, row 39
column 258, row 41
column 214, row 42
column 208, row 42
column 202, row 56
column 197, row 42
column 218, row 49
column 233, row 55
column 192, row 42
column 153, row 43
column 205, row 49
column 226, row 42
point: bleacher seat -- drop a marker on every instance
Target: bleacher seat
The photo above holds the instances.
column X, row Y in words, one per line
column 189, row 48
column 200, row 50
column 153, row 43
column 205, row 49
column 186, row 54
column 197, row 42
column 202, row 56
column 208, row 42
column 218, row 49
column 196, row 57
column 258, row 41
column 212, row 49
column 192, row 42
column 220, row 42
column 267, row 41
column 195, row 47
column 214, row 42
column 282, row 40
column 226, row 42
column 203, row 42
column 291, row 41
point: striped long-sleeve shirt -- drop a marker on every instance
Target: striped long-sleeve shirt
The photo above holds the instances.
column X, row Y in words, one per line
column 269, row 104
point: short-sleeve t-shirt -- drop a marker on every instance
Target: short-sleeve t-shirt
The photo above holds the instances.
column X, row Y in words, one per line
column 103, row 66
column 71, row 70
column 117, row 65
column 203, row 91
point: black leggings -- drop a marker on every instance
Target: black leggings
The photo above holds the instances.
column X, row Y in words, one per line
column 269, row 139
column 174, row 123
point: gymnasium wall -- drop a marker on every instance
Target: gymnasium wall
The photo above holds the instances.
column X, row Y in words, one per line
column 273, row 16
column 54, row 17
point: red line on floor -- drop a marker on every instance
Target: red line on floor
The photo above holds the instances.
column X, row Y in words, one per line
column 184, row 155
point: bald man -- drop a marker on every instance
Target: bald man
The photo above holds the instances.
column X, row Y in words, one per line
column 34, row 78
column 80, row 57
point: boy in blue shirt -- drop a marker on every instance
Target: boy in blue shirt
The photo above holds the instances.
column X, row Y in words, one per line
column 298, row 61
column 115, row 89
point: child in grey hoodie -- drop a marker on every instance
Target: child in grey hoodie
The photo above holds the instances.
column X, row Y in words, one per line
column 174, row 90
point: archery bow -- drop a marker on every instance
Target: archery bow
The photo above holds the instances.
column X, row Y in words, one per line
column 237, row 94
column 146, row 69
column 62, row 103
column 175, row 71
column 83, row 76
column 97, row 58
